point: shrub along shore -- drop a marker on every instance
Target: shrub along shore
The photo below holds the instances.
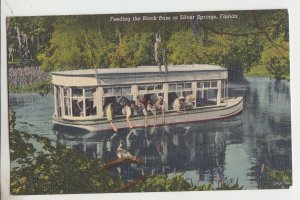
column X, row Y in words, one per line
column 28, row 79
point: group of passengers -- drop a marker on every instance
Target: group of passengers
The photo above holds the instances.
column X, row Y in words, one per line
column 145, row 104
column 184, row 103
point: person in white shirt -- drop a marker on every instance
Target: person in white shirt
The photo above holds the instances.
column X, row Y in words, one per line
column 189, row 102
column 178, row 104
column 141, row 108
column 127, row 112
column 160, row 106
column 109, row 115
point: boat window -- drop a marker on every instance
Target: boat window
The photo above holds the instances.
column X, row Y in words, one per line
column 214, row 84
column 142, row 89
column 186, row 93
column 77, row 107
column 67, row 103
column 117, row 91
column 200, row 98
column 77, row 102
column 172, row 87
column 118, row 103
column 107, row 91
column 77, row 92
column 206, row 97
column 224, row 89
column 159, row 87
column 207, row 84
column 66, row 92
column 89, row 92
column 179, row 86
column 178, row 90
column 126, row 90
column 200, row 85
column 207, row 93
column 150, row 87
column 91, row 102
column 188, row 86
column 211, row 94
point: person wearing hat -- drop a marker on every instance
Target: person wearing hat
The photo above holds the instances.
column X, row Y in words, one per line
column 160, row 106
column 178, row 104
column 141, row 108
column 189, row 102
column 151, row 107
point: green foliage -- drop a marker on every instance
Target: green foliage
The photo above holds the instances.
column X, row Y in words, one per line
column 35, row 30
column 43, row 87
column 256, row 38
column 275, row 179
column 133, row 50
column 278, row 67
column 243, row 54
column 183, row 48
column 161, row 183
column 54, row 169
column 259, row 70
column 238, row 55
column 76, row 50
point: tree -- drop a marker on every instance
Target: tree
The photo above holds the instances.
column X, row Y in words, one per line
column 134, row 50
column 28, row 36
column 96, row 41
column 75, row 48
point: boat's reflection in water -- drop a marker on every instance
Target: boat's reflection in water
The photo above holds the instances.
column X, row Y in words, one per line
column 197, row 150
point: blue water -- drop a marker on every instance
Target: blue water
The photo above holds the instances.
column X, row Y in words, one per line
column 234, row 148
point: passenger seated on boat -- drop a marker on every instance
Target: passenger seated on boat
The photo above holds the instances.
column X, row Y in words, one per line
column 142, row 109
column 78, row 107
column 90, row 108
column 160, row 106
column 178, row 104
column 109, row 114
column 122, row 101
column 189, row 102
column 127, row 111
column 152, row 109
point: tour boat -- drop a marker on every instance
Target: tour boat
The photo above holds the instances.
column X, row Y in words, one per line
column 82, row 96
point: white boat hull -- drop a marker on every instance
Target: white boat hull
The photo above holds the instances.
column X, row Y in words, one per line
column 230, row 107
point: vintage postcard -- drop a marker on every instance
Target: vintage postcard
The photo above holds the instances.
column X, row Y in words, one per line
column 149, row 102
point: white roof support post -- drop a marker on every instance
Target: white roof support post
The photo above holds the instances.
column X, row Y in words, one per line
column 70, row 100
column 166, row 92
column 62, row 101
column 134, row 92
column 194, row 90
column 219, row 86
column 55, row 95
column 99, row 96
column 83, row 103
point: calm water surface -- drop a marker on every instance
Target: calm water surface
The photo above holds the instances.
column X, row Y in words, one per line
column 234, row 148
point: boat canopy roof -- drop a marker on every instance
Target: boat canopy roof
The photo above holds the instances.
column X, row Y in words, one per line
column 138, row 75
column 140, row 70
